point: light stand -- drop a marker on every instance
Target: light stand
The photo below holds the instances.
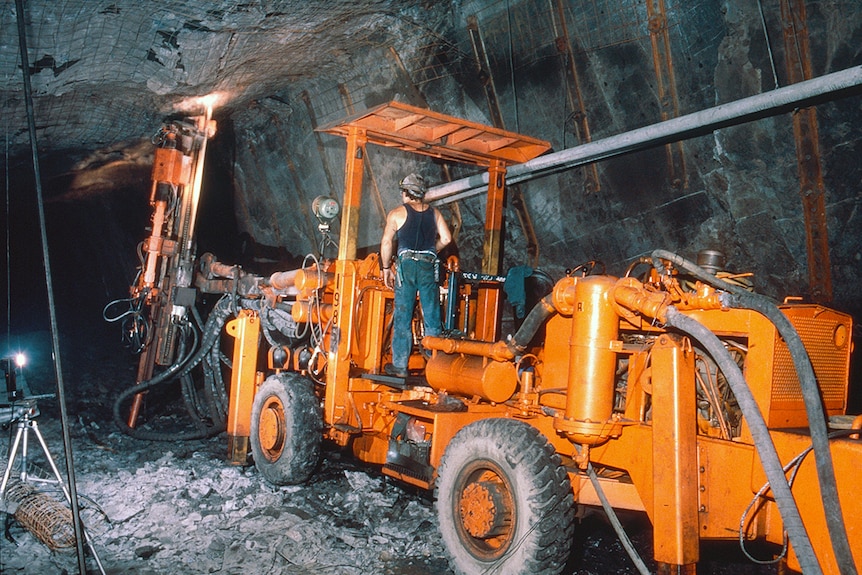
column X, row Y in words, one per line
column 325, row 209
column 23, row 415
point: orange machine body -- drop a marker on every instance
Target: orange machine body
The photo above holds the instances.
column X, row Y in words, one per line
column 608, row 388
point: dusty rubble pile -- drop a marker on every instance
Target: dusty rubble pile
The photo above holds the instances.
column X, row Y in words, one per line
column 186, row 511
column 177, row 507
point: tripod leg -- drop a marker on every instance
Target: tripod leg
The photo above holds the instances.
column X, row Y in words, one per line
column 13, row 451
column 62, row 483
column 35, row 428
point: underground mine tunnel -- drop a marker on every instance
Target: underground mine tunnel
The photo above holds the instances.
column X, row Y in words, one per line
column 648, row 308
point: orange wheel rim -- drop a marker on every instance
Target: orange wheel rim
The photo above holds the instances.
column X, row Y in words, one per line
column 271, row 429
column 486, row 512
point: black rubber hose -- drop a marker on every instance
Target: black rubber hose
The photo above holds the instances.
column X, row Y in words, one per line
column 534, row 320
column 615, row 523
column 215, row 391
column 193, row 404
column 744, row 299
column 180, row 368
column 760, row 432
column 187, row 385
column 140, row 387
column 212, row 379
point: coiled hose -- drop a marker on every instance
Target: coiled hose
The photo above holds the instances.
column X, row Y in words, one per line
column 180, row 369
column 740, row 298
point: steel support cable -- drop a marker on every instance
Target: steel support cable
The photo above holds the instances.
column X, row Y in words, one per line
column 759, row 431
column 55, row 339
column 740, row 298
column 180, row 368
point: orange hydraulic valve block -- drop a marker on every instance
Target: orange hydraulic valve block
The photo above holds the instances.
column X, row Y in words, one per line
column 593, row 346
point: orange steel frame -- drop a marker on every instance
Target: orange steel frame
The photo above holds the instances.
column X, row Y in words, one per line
column 704, row 483
column 655, row 454
column 421, row 131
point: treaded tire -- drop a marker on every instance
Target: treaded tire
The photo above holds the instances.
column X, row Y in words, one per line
column 286, row 426
column 512, row 461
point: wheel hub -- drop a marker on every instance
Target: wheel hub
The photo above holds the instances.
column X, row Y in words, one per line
column 485, row 509
column 271, row 429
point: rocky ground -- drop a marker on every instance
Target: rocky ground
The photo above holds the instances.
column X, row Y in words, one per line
column 178, row 507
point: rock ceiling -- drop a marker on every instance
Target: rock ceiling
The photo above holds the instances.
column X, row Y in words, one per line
column 109, row 70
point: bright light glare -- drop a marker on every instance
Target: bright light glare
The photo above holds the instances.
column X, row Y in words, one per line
column 20, row 359
column 213, row 100
column 202, row 103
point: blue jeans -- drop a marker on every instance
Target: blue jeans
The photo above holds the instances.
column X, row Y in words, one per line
column 413, row 277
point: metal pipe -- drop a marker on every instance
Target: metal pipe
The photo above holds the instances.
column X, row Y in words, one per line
column 747, row 109
column 55, row 339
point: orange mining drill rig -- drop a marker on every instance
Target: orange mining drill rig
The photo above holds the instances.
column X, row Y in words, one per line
column 678, row 392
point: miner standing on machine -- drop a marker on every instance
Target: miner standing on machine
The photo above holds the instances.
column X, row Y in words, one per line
column 421, row 232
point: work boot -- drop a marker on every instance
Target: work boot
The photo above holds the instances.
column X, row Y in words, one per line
column 390, row 369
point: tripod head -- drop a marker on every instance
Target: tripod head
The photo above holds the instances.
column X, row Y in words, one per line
column 19, row 411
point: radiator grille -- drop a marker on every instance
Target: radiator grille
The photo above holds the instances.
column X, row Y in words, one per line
column 829, row 361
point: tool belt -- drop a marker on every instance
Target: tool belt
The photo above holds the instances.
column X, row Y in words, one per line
column 422, row 256
column 418, row 256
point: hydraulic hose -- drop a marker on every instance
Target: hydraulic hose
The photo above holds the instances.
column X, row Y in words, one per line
column 743, row 299
column 216, row 392
column 180, row 369
column 534, row 320
column 616, row 524
column 759, row 431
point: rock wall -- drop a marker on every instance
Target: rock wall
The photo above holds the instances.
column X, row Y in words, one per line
column 736, row 189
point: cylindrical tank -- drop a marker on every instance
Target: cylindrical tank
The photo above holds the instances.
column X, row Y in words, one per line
column 592, row 360
column 471, row 375
column 308, row 279
column 304, row 311
column 283, row 280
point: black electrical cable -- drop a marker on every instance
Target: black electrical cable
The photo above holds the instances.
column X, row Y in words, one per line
column 61, row 395
column 742, row 298
column 759, row 431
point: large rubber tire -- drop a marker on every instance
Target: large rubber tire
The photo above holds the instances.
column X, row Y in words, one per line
column 504, row 501
column 286, row 429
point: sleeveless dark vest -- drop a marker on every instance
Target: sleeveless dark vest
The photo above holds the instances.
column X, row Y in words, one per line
column 419, row 232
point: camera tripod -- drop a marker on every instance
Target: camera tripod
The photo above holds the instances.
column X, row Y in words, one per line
column 23, row 415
